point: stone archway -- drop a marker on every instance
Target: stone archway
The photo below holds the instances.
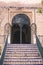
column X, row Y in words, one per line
column 21, row 30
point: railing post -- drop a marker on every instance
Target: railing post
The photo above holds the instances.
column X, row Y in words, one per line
column 35, row 26
column 20, row 34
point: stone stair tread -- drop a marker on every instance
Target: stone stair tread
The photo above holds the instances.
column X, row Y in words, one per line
column 24, row 62
column 22, row 49
column 10, row 51
column 26, row 53
column 22, row 57
column 19, row 59
column 22, row 44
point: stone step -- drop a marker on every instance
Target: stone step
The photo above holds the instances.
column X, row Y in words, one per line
column 23, row 62
column 19, row 59
column 28, row 56
column 20, row 51
column 25, row 57
column 21, row 45
column 17, row 56
column 21, row 48
column 13, row 52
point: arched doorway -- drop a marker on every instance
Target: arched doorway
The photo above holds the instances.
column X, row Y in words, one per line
column 21, row 31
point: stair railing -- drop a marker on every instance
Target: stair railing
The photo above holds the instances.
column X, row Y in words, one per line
column 7, row 29
column 4, row 50
column 34, row 28
column 39, row 46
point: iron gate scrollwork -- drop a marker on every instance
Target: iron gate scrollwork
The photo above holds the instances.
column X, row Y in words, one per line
column 33, row 28
column 7, row 28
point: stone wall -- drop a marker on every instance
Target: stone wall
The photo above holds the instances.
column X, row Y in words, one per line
column 6, row 16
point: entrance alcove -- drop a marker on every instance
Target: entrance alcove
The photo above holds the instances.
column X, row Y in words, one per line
column 21, row 30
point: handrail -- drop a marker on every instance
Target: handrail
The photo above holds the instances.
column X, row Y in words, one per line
column 34, row 28
column 3, row 53
column 41, row 39
column 39, row 46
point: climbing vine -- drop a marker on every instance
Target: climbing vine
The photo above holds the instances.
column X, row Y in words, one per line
column 40, row 10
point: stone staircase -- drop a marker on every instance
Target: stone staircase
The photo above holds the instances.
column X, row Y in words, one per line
column 22, row 54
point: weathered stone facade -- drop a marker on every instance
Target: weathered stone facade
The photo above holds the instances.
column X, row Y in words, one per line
column 7, row 14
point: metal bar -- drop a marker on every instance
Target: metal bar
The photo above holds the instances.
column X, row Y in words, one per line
column 21, row 34
column 3, row 53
